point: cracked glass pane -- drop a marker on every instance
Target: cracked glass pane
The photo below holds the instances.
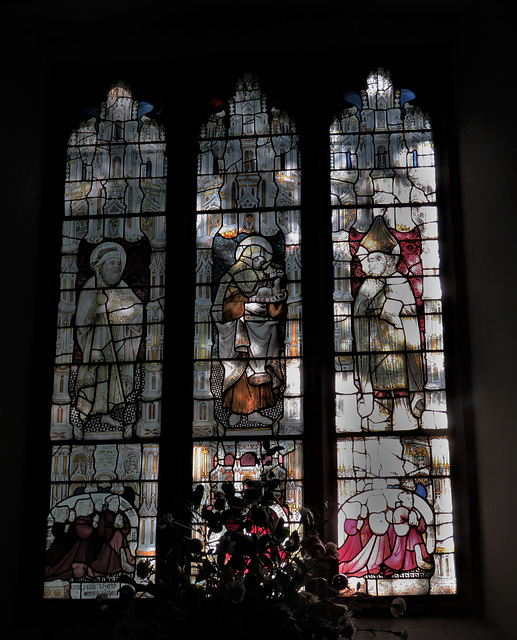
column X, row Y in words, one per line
column 109, row 351
column 393, row 470
column 248, row 311
column 248, row 366
column 239, row 462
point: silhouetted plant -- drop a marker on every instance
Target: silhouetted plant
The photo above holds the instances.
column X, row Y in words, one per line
column 236, row 566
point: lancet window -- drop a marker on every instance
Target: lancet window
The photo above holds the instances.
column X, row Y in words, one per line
column 391, row 430
column 248, row 395
column 106, row 404
column 395, row 522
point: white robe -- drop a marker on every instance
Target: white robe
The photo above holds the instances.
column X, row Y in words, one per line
column 109, row 337
column 387, row 336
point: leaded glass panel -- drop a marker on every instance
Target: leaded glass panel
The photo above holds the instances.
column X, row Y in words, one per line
column 248, row 366
column 109, row 351
column 102, row 518
column 248, row 341
column 239, row 462
column 395, row 506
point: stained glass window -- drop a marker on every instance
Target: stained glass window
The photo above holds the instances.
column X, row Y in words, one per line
column 106, row 402
column 394, row 484
column 248, row 313
column 395, row 525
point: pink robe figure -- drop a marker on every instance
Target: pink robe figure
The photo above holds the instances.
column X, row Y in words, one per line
column 109, row 560
column 407, row 538
column 74, row 562
column 371, row 557
column 352, row 545
column 365, row 533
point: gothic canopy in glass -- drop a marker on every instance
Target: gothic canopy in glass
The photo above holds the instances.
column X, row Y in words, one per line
column 106, row 402
column 394, row 488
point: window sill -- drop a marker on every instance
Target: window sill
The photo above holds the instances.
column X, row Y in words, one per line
column 457, row 628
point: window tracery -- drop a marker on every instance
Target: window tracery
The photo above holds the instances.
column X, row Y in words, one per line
column 394, row 488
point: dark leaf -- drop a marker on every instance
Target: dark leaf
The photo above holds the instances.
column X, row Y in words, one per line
column 273, row 483
column 252, row 494
column 237, row 503
column 207, row 514
column 197, row 496
column 301, row 564
column 258, row 516
column 220, row 503
column 194, row 545
column 307, row 517
column 279, row 525
column 271, row 451
column 265, row 560
column 269, row 498
column 127, row 580
column 143, row 569
column 246, row 544
column 217, row 527
column 208, row 567
column 264, row 542
column 228, row 489
column 237, row 562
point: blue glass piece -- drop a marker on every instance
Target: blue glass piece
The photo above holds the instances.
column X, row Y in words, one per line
column 354, row 98
column 406, row 95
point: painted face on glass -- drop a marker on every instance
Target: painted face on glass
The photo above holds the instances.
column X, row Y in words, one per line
column 406, row 499
column 375, row 264
column 111, row 272
column 259, row 261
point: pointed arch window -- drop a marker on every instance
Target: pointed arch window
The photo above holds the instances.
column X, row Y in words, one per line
column 105, row 424
column 393, row 462
column 248, row 411
column 390, row 428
